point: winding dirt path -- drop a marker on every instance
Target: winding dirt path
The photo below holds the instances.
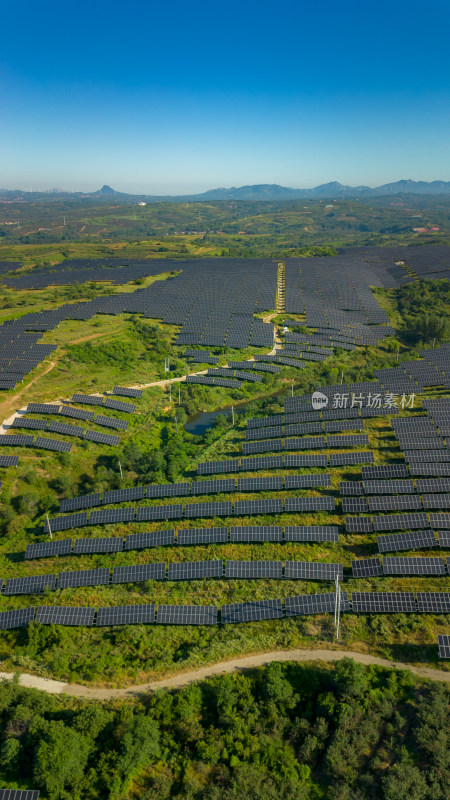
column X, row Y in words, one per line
column 236, row 665
column 11, row 402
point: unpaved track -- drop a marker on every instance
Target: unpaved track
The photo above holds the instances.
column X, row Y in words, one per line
column 11, row 402
column 247, row 662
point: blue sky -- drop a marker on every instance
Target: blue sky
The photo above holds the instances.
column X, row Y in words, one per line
column 186, row 97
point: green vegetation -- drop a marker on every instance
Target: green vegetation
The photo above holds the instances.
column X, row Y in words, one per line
column 286, row 732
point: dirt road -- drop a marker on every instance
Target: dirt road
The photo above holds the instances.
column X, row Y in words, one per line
column 247, row 662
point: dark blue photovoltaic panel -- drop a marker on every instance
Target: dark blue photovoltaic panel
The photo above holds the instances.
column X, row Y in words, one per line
column 139, row 541
column 250, row 612
column 16, row 618
column 321, row 603
column 126, row 615
column 187, row 615
column 192, row 536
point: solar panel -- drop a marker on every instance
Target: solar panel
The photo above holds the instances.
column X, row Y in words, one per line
column 187, row 615
column 313, row 571
column 306, row 481
column 403, row 565
column 31, row 584
column 52, row 444
column 346, row 459
column 64, row 523
column 42, row 408
column 313, row 460
column 211, row 487
column 433, row 485
column 139, row 573
column 77, row 413
column 19, row 794
column 251, row 612
column 320, row 603
column 385, row 471
column 305, row 504
column 366, row 568
column 62, row 547
column 425, row 456
column 32, row 424
column 124, row 495
column 145, row 513
column 444, row 645
column 65, row 430
column 347, row 440
column 168, row 490
column 354, row 505
column 439, row 520
column 65, row 615
column 125, row 391
column 263, row 506
column 126, row 615
column 219, row 509
column 383, row 602
column 436, row 500
column 351, row 488
column 417, row 468
column 106, row 544
column 256, row 533
column 311, row 533
column 416, row 540
column 112, row 515
column 389, row 487
column 192, row 536
column 83, row 501
column 101, row 438
column 111, row 422
column 259, row 484
column 433, row 602
column 9, row 461
column 16, row 618
column 401, row 522
column 262, row 447
column 195, row 570
column 83, row 577
column 264, row 462
column 394, row 503
column 140, row 541
column 14, row 440
column 305, row 443
column 87, row 399
column 117, row 405
column 253, row 570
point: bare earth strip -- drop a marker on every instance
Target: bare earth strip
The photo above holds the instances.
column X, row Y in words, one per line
column 248, row 662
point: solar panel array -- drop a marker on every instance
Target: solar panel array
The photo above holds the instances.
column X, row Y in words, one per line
column 188, row 536
column 286, row 461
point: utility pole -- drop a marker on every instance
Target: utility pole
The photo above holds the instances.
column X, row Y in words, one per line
column 342, row 376
column 120, row 468
column 398, row 351
column 170, row 392
column 433, row 343
column 232, row 414
column 337, row 606
column 292, row 389
column 49, row 526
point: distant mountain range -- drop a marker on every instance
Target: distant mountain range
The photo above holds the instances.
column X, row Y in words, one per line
column 262, row 191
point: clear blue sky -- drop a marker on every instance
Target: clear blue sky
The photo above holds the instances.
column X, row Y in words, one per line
column 174, row 97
